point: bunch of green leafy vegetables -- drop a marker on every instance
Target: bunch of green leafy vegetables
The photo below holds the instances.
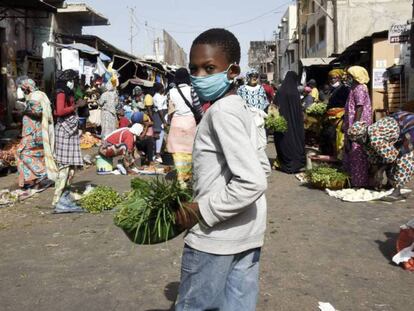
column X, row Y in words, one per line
column 148, row 214
column 276, row 123
column 326, row 177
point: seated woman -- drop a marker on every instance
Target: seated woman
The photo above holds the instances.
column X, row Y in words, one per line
column 389, row 144
column 121, row 142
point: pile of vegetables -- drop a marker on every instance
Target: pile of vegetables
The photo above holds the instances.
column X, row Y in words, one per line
column 88, row 140
column 148, row 214
column 276, row 123
column 327, row 177
column 8, row 154
column 99, row 199
column 317, row 109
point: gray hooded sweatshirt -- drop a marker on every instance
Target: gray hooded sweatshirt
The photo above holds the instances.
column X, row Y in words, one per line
column 229, row 175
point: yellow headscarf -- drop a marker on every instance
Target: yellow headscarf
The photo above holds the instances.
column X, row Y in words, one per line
column 336, row 73
column 148, row 101
column 359, row 73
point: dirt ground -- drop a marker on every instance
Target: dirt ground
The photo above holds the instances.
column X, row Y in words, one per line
column 317, row 249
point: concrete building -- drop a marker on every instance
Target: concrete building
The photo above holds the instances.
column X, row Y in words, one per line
column 288, row 58
column 328, row 27
column 261, row 57
column 25, row 28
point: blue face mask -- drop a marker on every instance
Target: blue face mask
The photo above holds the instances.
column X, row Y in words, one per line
column 211, row 87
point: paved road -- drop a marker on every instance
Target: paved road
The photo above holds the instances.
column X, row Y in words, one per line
column 317, row 249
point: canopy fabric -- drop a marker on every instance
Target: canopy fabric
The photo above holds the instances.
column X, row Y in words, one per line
column 317, row 61
column 137, row 81
column 85, row 49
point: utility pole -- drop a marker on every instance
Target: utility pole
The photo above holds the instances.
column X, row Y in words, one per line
column 335, row 26
column 276, row 59
column 131, row 29
column 299, row 27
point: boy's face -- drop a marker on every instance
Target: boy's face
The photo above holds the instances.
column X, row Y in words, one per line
column 206, row 59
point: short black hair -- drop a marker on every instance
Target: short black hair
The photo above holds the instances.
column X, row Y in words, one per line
column 158, row 87
column 222, row 38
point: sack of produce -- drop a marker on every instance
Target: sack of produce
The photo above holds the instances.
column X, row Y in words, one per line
column 148, row 214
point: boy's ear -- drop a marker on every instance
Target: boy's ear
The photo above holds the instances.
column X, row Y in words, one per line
column 233, row 72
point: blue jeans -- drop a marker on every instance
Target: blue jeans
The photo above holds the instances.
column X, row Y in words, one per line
column 218, row 282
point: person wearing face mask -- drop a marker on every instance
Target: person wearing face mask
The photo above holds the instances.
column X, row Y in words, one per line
column 290, row 146
column 332, row 137
column 108, row 102
column 184, row 110
column 35, row 160
column 253, row 93
column 255, row 96
column 339, row 91
column 228, row 218
column 358, row 108
column 67, row 143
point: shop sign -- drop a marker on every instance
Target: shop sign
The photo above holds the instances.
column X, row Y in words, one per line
column 399, row 33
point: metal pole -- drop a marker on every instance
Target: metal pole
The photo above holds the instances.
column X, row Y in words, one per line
column 298, row 28
column 335, row 26
column 131, row 30
column 276, row 60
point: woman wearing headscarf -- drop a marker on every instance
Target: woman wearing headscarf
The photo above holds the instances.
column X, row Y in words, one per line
column 67, row 143
column 253, row 93
column 358, row 108
column 183, row 109
column 108, row 102
column 389, row 144
column 290, row 146
column 332, row 137
column 255, row 96
column 35, row 159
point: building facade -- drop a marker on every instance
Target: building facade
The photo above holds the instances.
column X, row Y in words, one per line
column 328, row 27
column 288, row 58
column 26, row 26
column 261, row 56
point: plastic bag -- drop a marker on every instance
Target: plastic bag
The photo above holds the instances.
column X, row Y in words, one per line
column 405, row 239
column 67, row 204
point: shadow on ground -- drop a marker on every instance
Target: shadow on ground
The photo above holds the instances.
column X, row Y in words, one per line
column 170, row 292
column 388, row 247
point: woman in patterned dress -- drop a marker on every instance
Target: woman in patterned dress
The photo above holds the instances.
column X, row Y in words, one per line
column 358, row 108
column 389, row 144
column 253, row 93
column 34, row 154
column 108, row 101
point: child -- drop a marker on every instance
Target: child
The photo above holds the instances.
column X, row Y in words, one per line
column 220, row 263
column 122, row 120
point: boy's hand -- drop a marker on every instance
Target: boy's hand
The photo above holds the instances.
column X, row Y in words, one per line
column 187, row 217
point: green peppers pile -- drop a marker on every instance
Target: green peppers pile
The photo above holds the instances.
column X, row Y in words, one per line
column 99, row 199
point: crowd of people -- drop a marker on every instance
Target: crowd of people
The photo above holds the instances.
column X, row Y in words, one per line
column 375, row 155
column 212, row 121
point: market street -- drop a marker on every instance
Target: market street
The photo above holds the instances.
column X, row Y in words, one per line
column 317, row 249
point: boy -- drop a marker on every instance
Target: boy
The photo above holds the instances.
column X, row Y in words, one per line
column 220, row 263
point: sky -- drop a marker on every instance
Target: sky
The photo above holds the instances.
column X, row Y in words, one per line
column 184, row 19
